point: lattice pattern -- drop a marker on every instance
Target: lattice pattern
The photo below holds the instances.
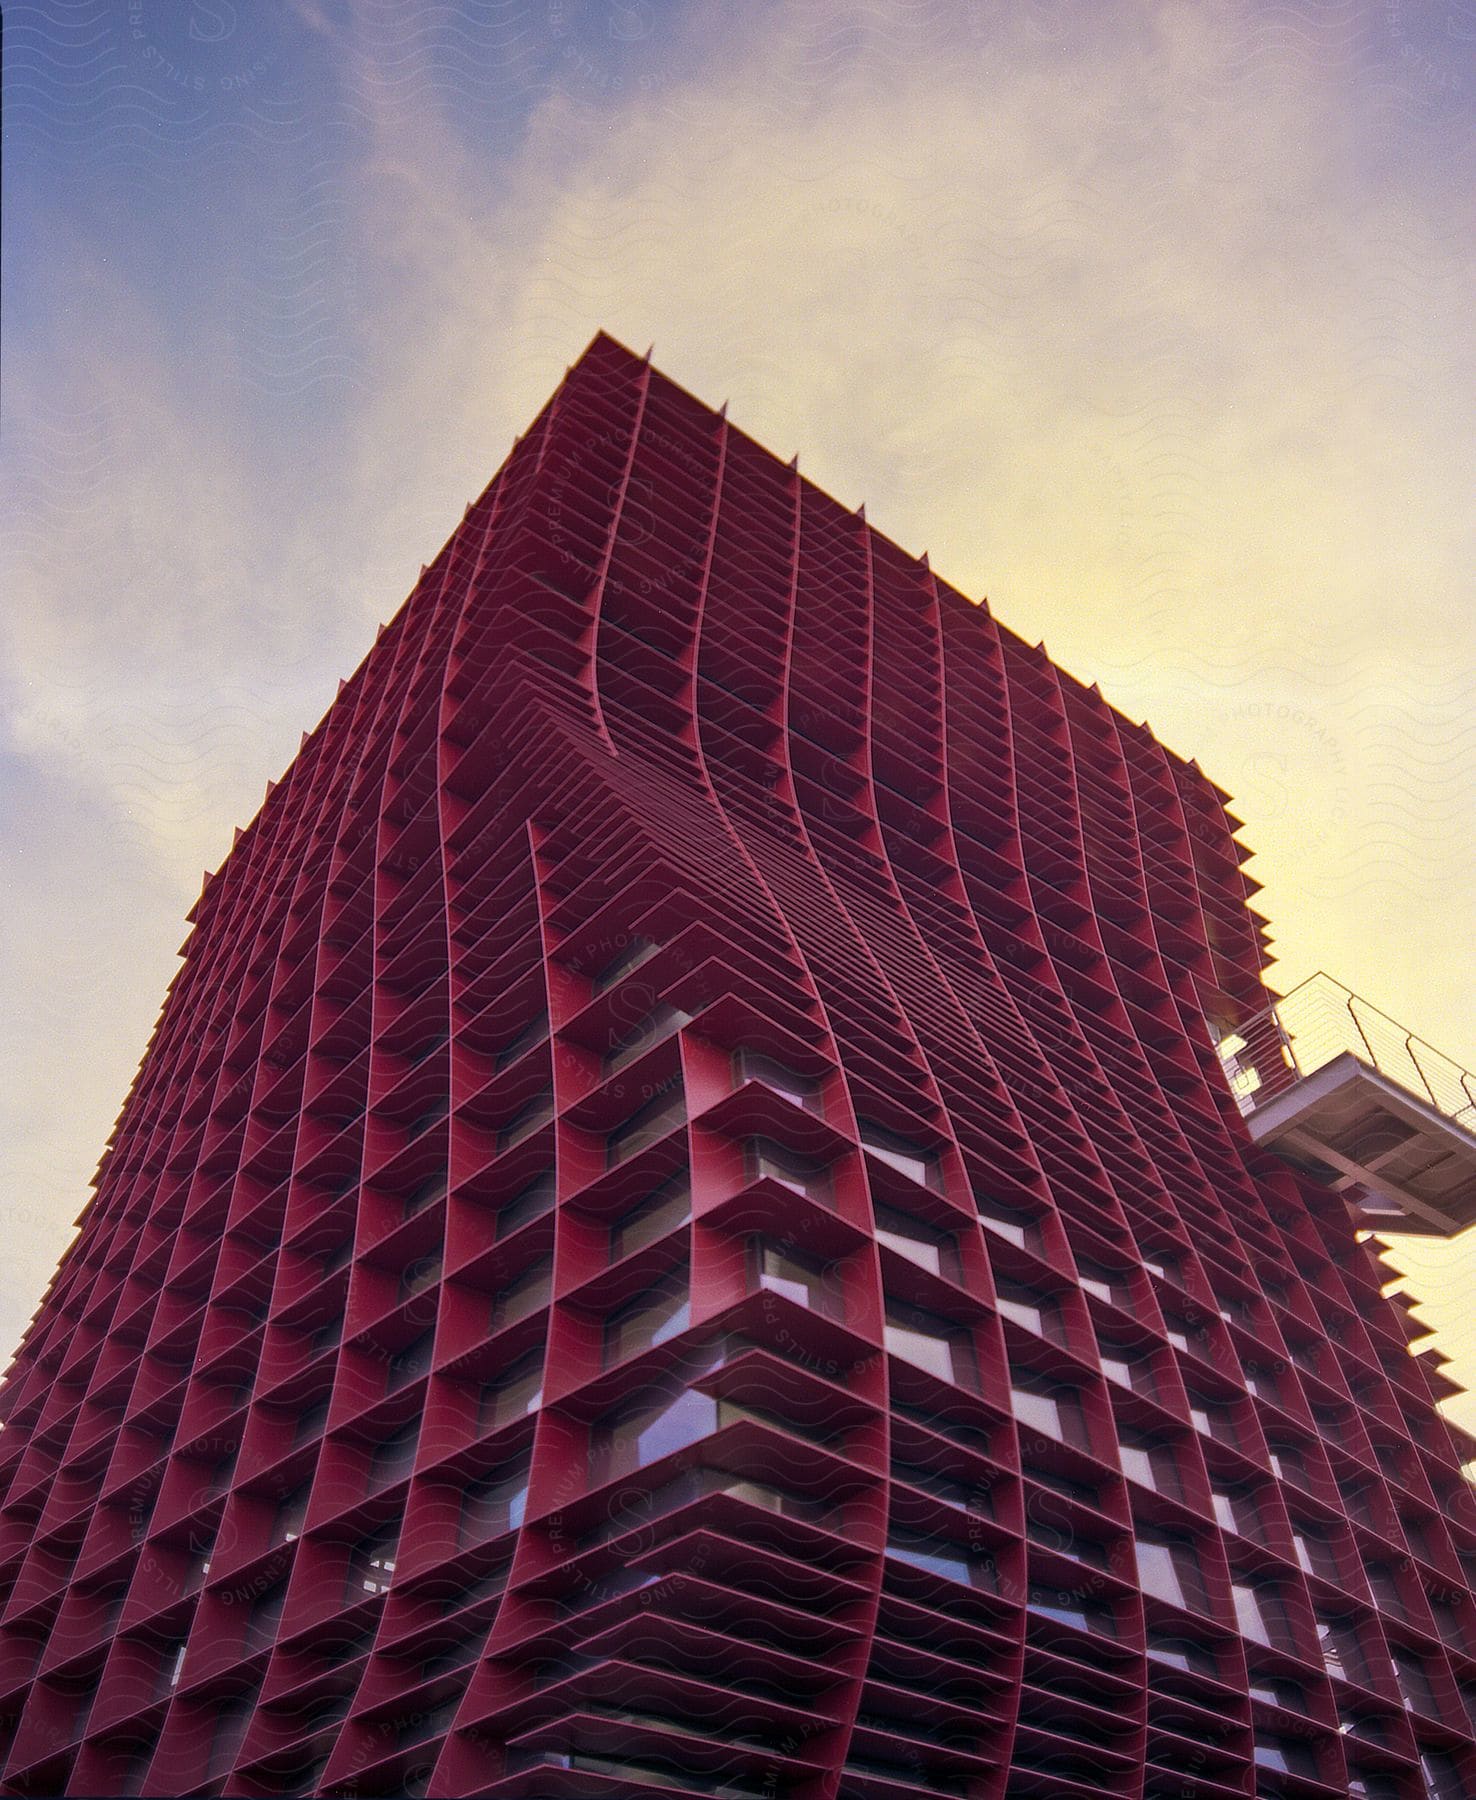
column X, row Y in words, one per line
column 682, row 1230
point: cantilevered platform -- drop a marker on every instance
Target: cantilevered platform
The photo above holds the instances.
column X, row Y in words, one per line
column 1333, row 1084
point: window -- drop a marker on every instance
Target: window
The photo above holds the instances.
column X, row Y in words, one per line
column 1063, row 1607
column 395, row 1457
column 1414, row 1681
column 931, row 1343
column 1260, row 1614
column 798, row 1278
column 528, row 1203
column 1443, row 1778
column 649, row 1321
column 653, row 1121
column 1384, row 1585
column 932, row 1250
column 262, row 1615
column 423, row 1273
column 907, row 1159
column 537, row 1112
column 493, row 1505
column 1150, row 1462
column 1168, row 1568
column 1212, row 1419
column 1288, row 1463
column 1272, row 1691
column 798, row 1090
column 1165, row 1264
column 1049, row 1408
column 944, row 1557
column 411, row 1362
column 1029, row 1307
column 1342, row 1649
column 372, row 1566
column 651, row 1218
column 1112, row 1285
column 652, row 1030
column 514, row 1396
column 1287, row 1755
column 800, row 1174
column 632, row 1440
column 1008, row 1222
column 290, row 1514
column 944, row 1488
column 638, row 951
column 1182, row 1653
column 522, row 1040
column 1127, row 1364
column 426, row 1194
column 1315, row 1551
column 1261, row 1380
column 524, row 1295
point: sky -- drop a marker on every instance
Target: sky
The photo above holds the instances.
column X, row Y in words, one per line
column 1151, row 322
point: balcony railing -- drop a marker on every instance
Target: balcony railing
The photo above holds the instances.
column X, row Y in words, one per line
column 1325, row 1078
column 1321, row 1020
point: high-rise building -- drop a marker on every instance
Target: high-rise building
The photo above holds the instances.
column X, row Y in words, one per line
column 683, row 1230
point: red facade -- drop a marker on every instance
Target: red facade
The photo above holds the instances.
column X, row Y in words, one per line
column 682, row 1230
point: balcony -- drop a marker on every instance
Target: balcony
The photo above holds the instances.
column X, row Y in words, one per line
column 1340, row 1089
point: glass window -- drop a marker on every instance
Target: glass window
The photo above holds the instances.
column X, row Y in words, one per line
column 1443, row 1778
column 1238, row 1510
column 537, row 1112
column 931, row 1343
column 1168, row 1568
column 798, row 1090
column 638, row 951
column 945, row 1557
column 1112, row 1285
column 493, row 1505
column 1049, row 1408
column 800, row 1174
column 1315, row 1551
column 421, row 1274
column 524, row 1295
column 1289, row 1756
column 638, row 1438
column 799, row 1278
column 1181, row 1653
column 514, row 1395
column 1068, row 1608
column 411, row 1362
column 1414, row 1681
column 264, row 1612
column 649, row 1321
column 395, row 1457
column 530, row 1202
column 652, row 1217
column 1258, row 1612
column 1212, row 1419
column 1150, row 1462
column 1342, row 1648
column 653, row 1121
column 929, row 1249
column 652, row 1030
column 290, row 1514
column 911, row 1160
column 1029, row 1307
column 372, row 1567
column 1008, row 1222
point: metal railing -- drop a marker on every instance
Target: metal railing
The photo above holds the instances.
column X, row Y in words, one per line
column 1320, row 1020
